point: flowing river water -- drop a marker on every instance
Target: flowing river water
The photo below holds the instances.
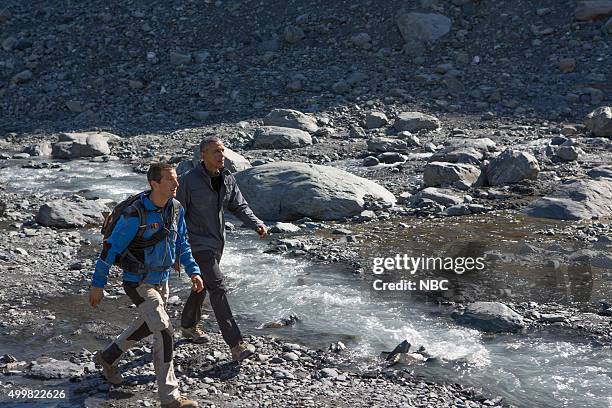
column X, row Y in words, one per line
column 544, row 369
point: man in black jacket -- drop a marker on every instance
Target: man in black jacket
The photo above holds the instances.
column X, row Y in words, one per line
column 204, row 192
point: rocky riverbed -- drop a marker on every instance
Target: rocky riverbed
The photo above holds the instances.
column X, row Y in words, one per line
column 461, row 129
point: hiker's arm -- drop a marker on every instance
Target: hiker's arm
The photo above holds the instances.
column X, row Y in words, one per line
column 240, row 208
column 183, row 250
column 124, row 232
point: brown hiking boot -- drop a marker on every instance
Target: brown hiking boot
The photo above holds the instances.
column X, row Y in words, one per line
column 180, row 402
column 195, row 334
column 109, row 371
column 242, row 350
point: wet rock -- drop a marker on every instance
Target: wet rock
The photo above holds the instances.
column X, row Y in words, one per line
column 593, row 9
column 288, row 118
column 46, row 368
column 85, row 144
column 274, row 137
column 490, row 317
column 284, row 191
column 375, row 120
column 442, row 174
column 512, row 166
column 415, row 121
column 575, row 200
column 370, row 161
column 600, row 121
column 68, row 214
column 385, row 144
column 600, row 172
column 419, row 29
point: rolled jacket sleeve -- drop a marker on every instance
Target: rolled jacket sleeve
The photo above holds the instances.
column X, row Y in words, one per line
column 123, row 233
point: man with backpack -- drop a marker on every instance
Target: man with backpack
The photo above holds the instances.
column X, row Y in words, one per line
column 205, row 192
column 145, row 235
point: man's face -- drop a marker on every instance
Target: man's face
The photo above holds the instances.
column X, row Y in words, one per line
column 168, row 183
column 212, row 156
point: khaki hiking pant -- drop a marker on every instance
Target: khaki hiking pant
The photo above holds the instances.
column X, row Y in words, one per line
column 150, row 301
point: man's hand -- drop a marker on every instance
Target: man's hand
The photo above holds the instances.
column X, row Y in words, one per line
column 262, row 231
column 197, row 284
column 95, row 296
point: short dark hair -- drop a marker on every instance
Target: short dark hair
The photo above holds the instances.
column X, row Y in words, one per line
column 155, row 171
column 207, row 140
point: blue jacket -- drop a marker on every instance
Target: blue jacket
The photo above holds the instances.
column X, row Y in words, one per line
column 162, row 256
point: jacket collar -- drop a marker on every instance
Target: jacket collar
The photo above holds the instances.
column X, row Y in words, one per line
column 148, row 204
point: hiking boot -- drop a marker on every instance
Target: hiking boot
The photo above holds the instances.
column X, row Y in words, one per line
column 242, row 350
column 109, row 371
column 195, row 334
column 180, row 402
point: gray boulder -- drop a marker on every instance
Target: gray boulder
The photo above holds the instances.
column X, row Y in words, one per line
column 422, row 28
column 82, row 144
column 375, row 120
column 490, row 317
column 391, row 157
column 512, row 166
column 385, row 144
column 576, row 200
column 289, row 118
column 410, row 139
column 600, row 121
column 285, row 191
column 442, row 174
column 415, row 121
column 484, row 144
column 370, row 161
column 568, row 153
column 442, row 196
column 453, row 154
column 69, row 214
column 274, row 137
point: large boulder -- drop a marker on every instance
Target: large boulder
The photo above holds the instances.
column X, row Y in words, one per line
column 512, row 166
column 69, row 214
column 385, row 144
column 286, row 191
column 576, row 200
column 442, row 174
column 600, row 121
column 274, row 137
column 415, row 121
column 422, row 28
column 289, row 118
column 82, row 144
column 492, row 317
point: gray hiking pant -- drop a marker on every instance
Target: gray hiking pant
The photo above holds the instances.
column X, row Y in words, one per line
column 150, row 301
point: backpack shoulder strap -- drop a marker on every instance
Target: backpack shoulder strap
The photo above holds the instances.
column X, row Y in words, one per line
column 137, row 209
